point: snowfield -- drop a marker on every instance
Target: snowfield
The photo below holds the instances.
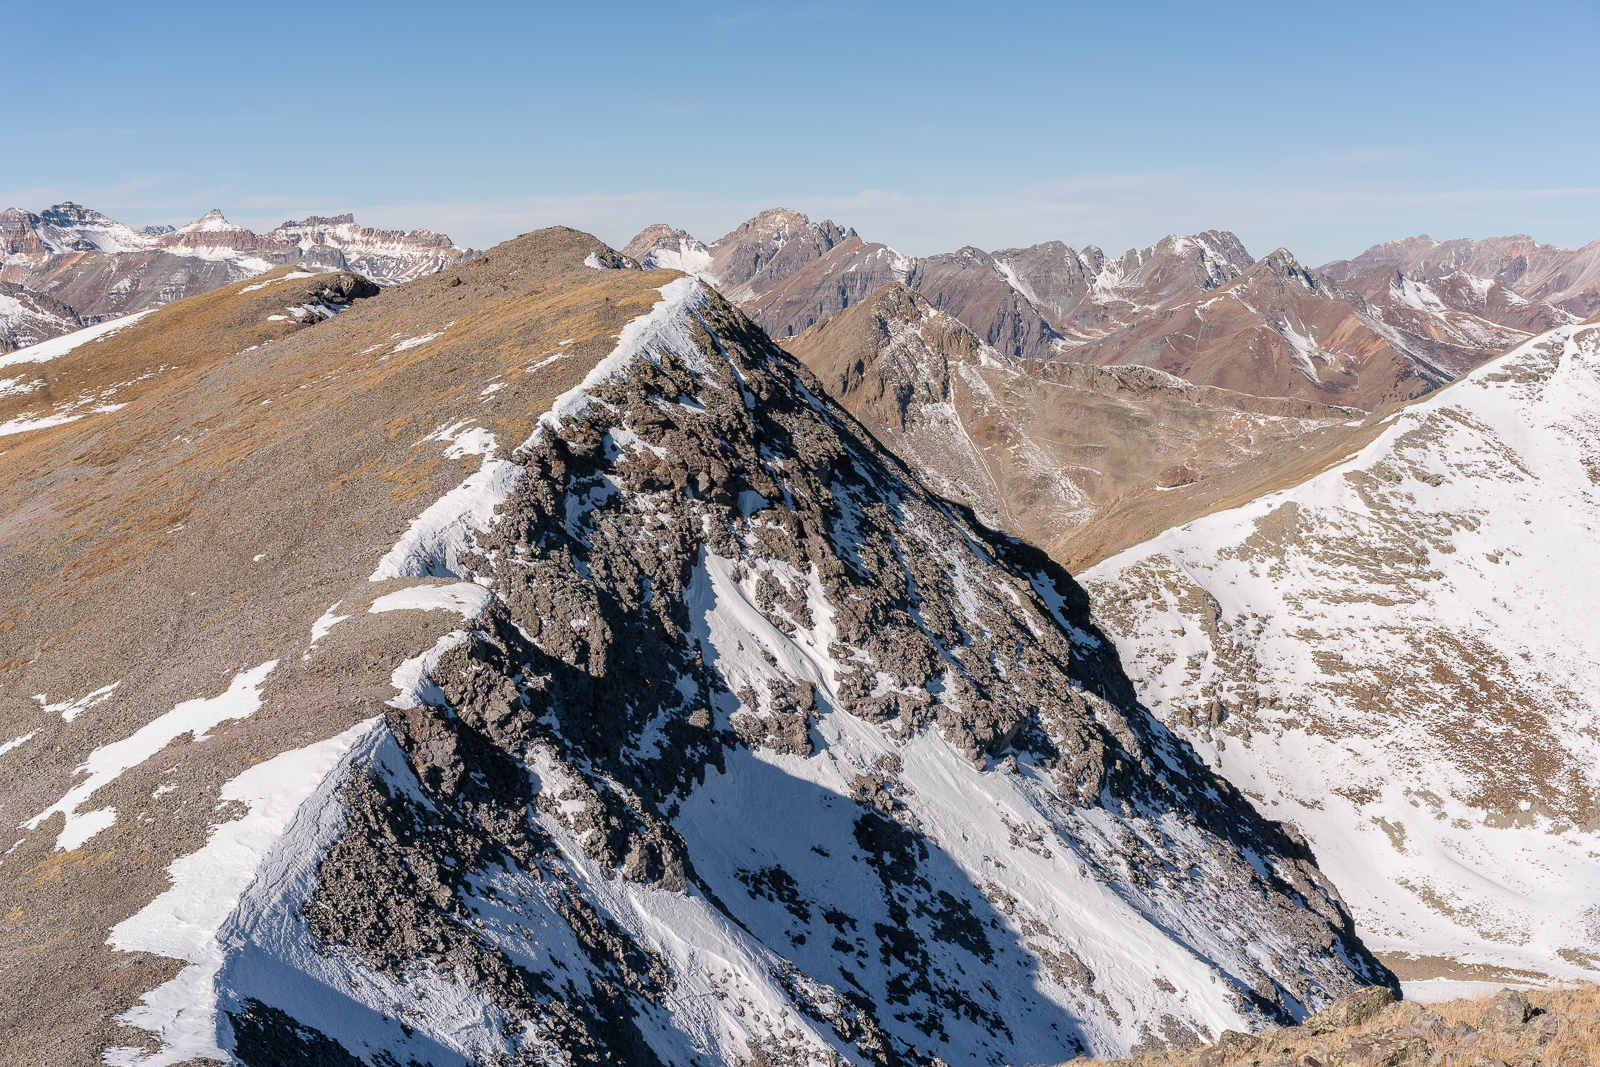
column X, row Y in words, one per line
column 1398, row 656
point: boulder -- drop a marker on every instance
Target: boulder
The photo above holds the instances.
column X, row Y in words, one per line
column 1508, row 1009
column 1352, row 1009
column 1230, row 1046
column 1541, row 1031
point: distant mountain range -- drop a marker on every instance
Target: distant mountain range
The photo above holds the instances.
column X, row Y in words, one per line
column 1392, row 324
column 98, row 268
column 1034, row 447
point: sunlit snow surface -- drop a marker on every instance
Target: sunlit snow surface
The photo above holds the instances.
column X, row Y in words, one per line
column 233, row 905
column 1421, row 629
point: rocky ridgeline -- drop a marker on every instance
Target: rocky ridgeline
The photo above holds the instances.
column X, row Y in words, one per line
column 714, row 471
column 1197, row 306
column 689, row 728
column 1369, row 1028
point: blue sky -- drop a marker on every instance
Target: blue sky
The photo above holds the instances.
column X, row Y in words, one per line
column 1320, row 127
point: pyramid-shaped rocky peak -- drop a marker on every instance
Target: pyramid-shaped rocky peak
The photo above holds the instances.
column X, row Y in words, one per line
column 661, row 717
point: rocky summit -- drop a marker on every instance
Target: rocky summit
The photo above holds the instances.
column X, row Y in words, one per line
column 534, row 663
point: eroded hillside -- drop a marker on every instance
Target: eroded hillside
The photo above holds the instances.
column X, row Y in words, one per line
column 1036, row 448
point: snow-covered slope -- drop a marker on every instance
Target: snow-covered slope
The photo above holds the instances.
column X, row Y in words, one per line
column 709, row 733
column 1398, row 655
column 27, row 317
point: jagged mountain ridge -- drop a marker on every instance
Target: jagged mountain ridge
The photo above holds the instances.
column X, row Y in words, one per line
column 102, row 268
column 784, row 270
column 1568, row 278
column 1396, row 655
column 1292, row 332
column 1278, row 329
column 27, row 317
column 1034, row 447
column 819, row 767
column 790, row 273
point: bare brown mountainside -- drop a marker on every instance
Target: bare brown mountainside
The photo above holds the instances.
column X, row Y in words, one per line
column 1279, row 329
column 102, row 268
column 1290, row 332
column 1459, row 308
column 1143, row 513
column 533, row 663
column 1086, row 295
column 1035, row 447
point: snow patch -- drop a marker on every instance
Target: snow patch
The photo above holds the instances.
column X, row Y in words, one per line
column 239, row 701
column 70, row 709
column 273, row 281
column 666, row 326
column 262, row 854
column 412, row 679
column 465, row 598
column 413, row 342
column 322, row 626
column 464, row 440
column 432, row 546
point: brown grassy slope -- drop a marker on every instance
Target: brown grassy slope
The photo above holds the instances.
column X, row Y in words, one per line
column 1141, row 514
column 1040, row 443
column 132, row 539
column 1366, row 1029
column 1237, row 337
column 180, row 339
column 1148, row 510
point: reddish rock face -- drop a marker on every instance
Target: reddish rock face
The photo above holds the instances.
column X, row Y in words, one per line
column 1035, row 447
column 1566, row 277
column 1280, row 330
column 1198, row 306
column 18, row 235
